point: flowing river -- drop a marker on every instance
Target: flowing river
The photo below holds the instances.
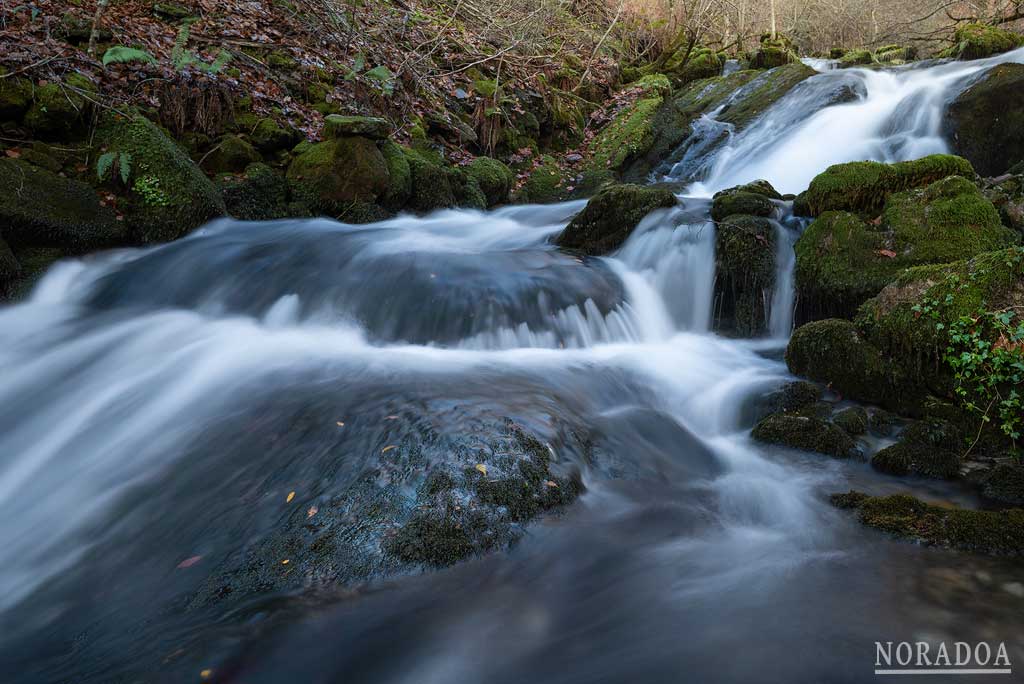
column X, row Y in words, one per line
column 159, row 406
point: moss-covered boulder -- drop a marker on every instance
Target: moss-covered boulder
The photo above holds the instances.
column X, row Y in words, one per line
column 805, row 433
column 544, row 184
column 745, row 273
column 399, row 177
column 260, row 194
column 59, row 108
column 338, row 126
column 895, row 54
column 15, row 97
column 976, row 41
column 611, row 216
column 772, row 52
column 169, row 195
column 863, row 187
column 335, row 175
column 852, row 420
column 433, row 183
column 493, row 178
column 1006, row 194
column 986, row 121
column 269, row 136
column 1005, row 484
column 842, row 261
column 231, row 155
column 700, row 62
column 753, row 199
column 990, row 532
column 855, row 58
column 39, row 208
column 764, row 91
column 931, row 448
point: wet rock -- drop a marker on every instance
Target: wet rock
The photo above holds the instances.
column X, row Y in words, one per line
column 338, row 126
column 764, row 91
column 334, row 175
column 772, row 52
column 929, row 448
column 794, row 396
column 268, row 136
column 260, row 194
column 1007, row 195
column 895, row 54
column 856, row 58
column 231, row 155
column 544, row 184
column 59, row 108
column 610, row 217
column 808, row 434
column 976, row 41
column 1005, row 484
column 852, row 420
column 39, row 208
column 169, row 195
column 753, row 199
column 882, row 423
column 745, row 269
column 991, row 532
column 399, row 189
column 863, row 187
column 986, row 121
column 10, row 269
column 15, row 97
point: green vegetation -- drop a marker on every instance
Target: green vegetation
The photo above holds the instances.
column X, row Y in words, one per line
column 611, row 216
column 975, row 41
column 805, row 433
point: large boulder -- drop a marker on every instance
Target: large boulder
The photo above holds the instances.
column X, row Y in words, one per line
column 986, row 121
column 744, row 273
column 59, row 109
column 752, row 199
column 805, row 433
column 855, row 58
column 40, row 208
column 260, row 194
column 494, row 179
column 336, row 175
column 842, row 260
column 772, row 52
column 169, row 195
column 610, row 217
column 895, row 54
column 975, row 41
column 930, row 448
column 337, row 126
column 231, row 155
column 862, row 187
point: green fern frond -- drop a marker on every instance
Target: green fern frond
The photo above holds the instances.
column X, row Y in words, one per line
column 120, row 54
column 104, row 163
column 124, row 165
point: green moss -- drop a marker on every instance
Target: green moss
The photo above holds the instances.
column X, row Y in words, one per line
column 485, row 87
column 853, row 420
column 770, row 56
column 808, row 434
column 795, row 396
column 190, row 197
column 331, row 175
column 494, row 179
column 231, row 155
column 39, row 208
column 15, row 97
column 895, row 54
column 1005, row 484
column 433, row 184
column 976, row 41
column 739, row 201
column 930, row 448
column 745, row 272
column 338, row 126
column 59, row 109
column 863, row 187
column 400, row 177
column 611, row 216
column 269, row 136
column 990, row 532
column 544, row 184
column 764, row 91
column 857, row 57
column 281, row 60
column 260, row 195
column 628, row 134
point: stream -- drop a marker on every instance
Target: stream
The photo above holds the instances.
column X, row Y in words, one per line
column 160, row 405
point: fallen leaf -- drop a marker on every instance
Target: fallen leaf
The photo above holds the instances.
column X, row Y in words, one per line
column 13, row 153
column 391, row 418
column 888, row 253
column 312, row 511
column 189, row 562
column 291, row 495
column 551, row 483
column 206, row 674
column 340, row 424
column 285, row 562
column 388, row 448
column 482, row 468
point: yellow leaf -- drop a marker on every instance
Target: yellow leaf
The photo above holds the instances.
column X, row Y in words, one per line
column 551, row 483
column 388, row 448
column 340, row 424
column 482, row 468
column 291, row 495
column 284, row 562
column 206, row 674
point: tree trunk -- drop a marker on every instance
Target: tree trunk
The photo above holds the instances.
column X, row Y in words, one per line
column 101, row 7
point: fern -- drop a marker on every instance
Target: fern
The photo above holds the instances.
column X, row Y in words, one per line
column 217, row 64
column 104, row 163
column 120, row 54
column 124, row 165
column 179, row 55
column 383, row 77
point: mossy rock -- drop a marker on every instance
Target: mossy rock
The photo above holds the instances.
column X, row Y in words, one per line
column 332, row 175
column 745, row 272
column 794, row 397
column 986, row 121
column 628, row 134
column 745, row 199
column 1005, row 484
column 1007, row 195
column 855, row 58
column 259, row 195
column 804, row 433
column 770, row 56
column 930, row 448
column 990, row 532
column 15, row 97
column 170, row 196
column 434, row 184
column 38, row 208
column 231, row 155
column 172, row 11
column 852, row 420
column 863, row 187
column 493, row 178
column 611, row 216
column 59, row 110
column 977, row 41
column 895, row 54
column 703, row 63
column 544, row 184
column 10, row 269
column 269, row 136
column 763, row 92
column 399, row 177
column 337, row 126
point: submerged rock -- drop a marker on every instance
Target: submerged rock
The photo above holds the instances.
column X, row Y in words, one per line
column 986, row 121
column 610, row 217
column 992, row 532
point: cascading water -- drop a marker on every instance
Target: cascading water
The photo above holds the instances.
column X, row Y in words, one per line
column 158, row 406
